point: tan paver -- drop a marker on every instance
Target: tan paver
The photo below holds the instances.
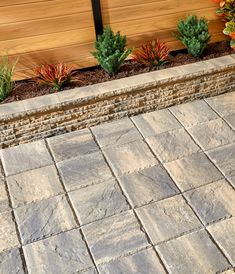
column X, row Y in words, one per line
column 34, row 185
column 116, row 133
column 168, row 219
column 60, row 254
column 8, row 236
column 98, row 201
column 230, row 119
column 4, row 201
column 223, row 232
column 193, row 252
column 156, row 122
column 212, row 134
column 145, row 261
column 193, row 113
column 172, row 145
column 114, row 237
column 213, row 202
column 74, row 144
column 193, row 171
column 130, row 157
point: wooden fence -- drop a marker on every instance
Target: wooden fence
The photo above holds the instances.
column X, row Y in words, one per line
column 48, row 31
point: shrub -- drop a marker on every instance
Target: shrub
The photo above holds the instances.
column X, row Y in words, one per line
column 55, row 75
column 6, row 74
column 111, row 50
column 194, row 34
column 227, row 12
column 153, row 53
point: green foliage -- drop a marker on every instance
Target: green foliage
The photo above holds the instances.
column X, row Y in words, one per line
column 6, row 81
column 111, row 50
column 194, row 34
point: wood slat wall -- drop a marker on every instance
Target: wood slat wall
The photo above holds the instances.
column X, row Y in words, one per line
column 48, row 31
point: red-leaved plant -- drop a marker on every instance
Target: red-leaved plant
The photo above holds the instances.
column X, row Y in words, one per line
column 153, row 53
column 55, row 75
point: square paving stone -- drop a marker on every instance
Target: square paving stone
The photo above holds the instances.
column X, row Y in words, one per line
column 224, row 234
column 116, row 133
column 114, row 237
column 98, row 201
column 223, row 104
column 83, row 171
column 34, row 185
column 231, row 120
column 148, row 185
column 10, row 262
column 145, row 261
column 213, row 202
column 167, row 219
column 69, row 145
column 224, row 159
column 193, row 253
column 212, row 134
column 43, row 219
column 4, row 201
column 232, row 180
column 8, row 236
column 153, row 123
column 193, row 171
column 60, row 254
column 130, row 157
column 25, row 157
column 171, row 145
column 193, row 113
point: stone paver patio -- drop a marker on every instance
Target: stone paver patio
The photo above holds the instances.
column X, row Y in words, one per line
column 143, row 195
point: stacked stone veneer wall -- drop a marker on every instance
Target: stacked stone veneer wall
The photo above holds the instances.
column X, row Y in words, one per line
column 173, row 87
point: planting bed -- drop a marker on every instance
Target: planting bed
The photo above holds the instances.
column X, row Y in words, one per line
column 78, row 108
column 29, row 89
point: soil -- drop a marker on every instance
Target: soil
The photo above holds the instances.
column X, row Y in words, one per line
column 28, row 88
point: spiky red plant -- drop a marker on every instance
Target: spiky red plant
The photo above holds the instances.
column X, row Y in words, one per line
column 55, row 75
column 153, row 53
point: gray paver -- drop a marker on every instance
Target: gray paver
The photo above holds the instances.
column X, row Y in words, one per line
column 153, row 123
column 43, row 219
column 10, row 262
column 212, row 134
column 129, row 157
column 148, row 185
column 34, row 185
column 84, row 171
column 224, row 159
column 223, row 232
column 60, row 254
column 230, row 119
column 8, row 236
column 4, row 201
column 114, row 237
column 74, row 144
column 193, row 171
column 195, row 252
column 171, row 145
column 168, row 219
column 232, row 180
column 98, row 201
column 116, row 133
column 223, row 104
column 145, row 261
column 213, row 202
column 25, row 157
column 193, row 113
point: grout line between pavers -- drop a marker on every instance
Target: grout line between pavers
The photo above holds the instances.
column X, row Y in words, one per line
column 71, row 206
column 212, row 239
column 25, row 269
column 130, row 206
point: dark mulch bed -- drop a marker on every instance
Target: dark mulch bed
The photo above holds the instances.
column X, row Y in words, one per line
column 29, row 89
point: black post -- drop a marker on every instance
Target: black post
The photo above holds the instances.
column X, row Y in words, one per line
column 97, row 15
